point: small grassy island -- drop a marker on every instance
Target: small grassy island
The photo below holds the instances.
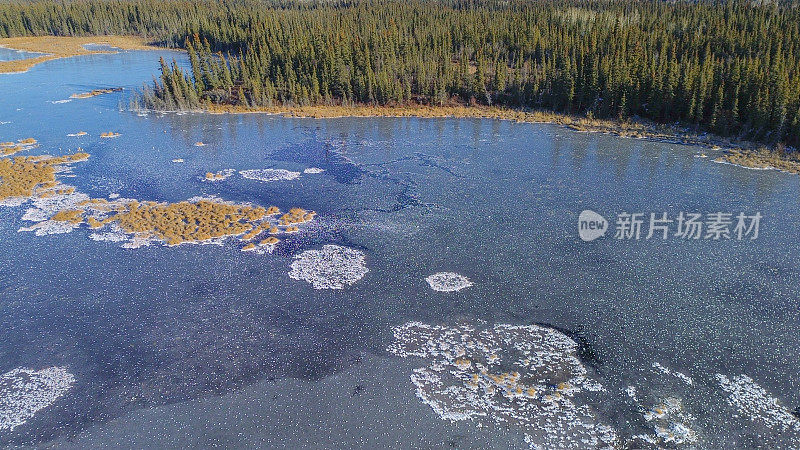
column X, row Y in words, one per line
column 95, row 92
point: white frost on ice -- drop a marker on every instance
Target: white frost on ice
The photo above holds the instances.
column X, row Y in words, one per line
column 680, row 375
column 24, row 392
column 670, row 423
column 313, row 170
column 332, row 267
column 270, row 174
column 448, row 282
column 526, row 377
column 46, row 207
column 631, row 391
column 753, row 401
column 13, row 201
column 114, row 234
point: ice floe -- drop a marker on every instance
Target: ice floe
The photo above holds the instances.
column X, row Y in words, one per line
column 332, row 267
column 526, row 377
column 448, row 282
column 24, row 392
column 270, row 174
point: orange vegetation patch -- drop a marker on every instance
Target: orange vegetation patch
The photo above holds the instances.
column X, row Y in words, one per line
column 68, row 215
column 252, row 234
column 183, row 222
column 25, row 177
column 109, row 134
column 217, row 176
column 63, row 47
column 10, row 148
column 195, row 220
column 296, row 215
column 176, row 223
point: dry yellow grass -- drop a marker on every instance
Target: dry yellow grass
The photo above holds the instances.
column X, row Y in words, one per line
column 296, row 215
column 11, row 148
column 68, row 215
column 22, row 176
column 63, row 47
column 763, row 158
column 175, row 223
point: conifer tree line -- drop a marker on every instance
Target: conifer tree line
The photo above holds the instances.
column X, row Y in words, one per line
column 729, row 67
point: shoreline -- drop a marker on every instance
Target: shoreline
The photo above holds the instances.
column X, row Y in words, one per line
column 736, row 152
column 55, row 47
column 762, row 159
column 741, row 153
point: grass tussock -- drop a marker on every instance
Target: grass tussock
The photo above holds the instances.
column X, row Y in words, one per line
column 190, row 221
column 68, row 215
column 12, row 148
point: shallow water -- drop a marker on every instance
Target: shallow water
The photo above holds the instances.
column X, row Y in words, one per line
column 8, row 54
column 494, row 201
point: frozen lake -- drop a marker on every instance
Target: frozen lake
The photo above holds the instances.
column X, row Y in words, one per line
column 684, row 343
